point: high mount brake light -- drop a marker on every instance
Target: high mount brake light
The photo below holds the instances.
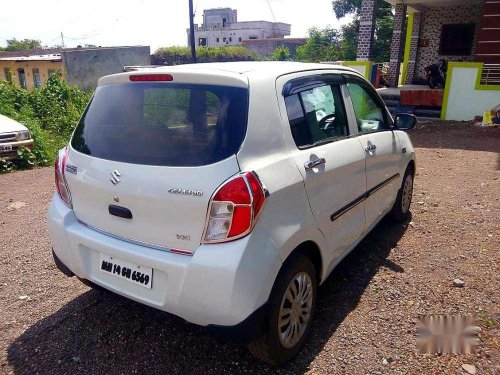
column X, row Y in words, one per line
column 150, row 77
column 60, row 180
column 234, row 208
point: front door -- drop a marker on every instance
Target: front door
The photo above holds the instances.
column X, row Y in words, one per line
column 332, row 164
column 382, row 151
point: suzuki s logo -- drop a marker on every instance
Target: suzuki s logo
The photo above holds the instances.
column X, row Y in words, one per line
column 115, row 177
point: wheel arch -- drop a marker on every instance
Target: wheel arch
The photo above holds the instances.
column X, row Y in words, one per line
column 311, row 250
column 412, row 165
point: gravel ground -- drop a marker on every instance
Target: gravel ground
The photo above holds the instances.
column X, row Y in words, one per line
column 367, row 309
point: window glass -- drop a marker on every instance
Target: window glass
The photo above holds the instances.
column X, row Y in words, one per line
column 370, row 116
column 163, row 124
column 22, row 78
column 316, row 115
column 8, row 74
column 457, row 39
column 36, row 78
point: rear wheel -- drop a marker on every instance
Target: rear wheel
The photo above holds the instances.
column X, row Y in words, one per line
column 431, row 82
column 401, row 209
column 291, row 311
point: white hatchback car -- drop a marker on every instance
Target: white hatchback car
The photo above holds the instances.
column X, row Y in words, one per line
column 226, row 193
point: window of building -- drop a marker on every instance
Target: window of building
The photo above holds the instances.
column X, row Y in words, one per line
column 22, row 78
column 252, row 37
column 217, row 40
column 224, row 40
column 230, row 39
column 202, row 41
column 36, row 78
column 8, row 74
column 239, row 39
column 457, row 39
column 224, row 22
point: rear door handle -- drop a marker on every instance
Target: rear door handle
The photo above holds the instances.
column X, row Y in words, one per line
column 314, row 163
column 370, row 147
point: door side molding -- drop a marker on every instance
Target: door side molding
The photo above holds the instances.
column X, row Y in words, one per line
column 361, row 198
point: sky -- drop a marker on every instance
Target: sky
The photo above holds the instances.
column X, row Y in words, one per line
column 156, row 23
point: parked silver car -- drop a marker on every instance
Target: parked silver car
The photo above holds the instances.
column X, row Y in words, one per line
column 13, row 135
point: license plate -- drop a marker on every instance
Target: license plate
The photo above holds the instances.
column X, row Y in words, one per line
column 5, row 148
column 134, row 273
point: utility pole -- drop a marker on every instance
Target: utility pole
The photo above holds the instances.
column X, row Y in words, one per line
column 62, row 39
column 191, row 31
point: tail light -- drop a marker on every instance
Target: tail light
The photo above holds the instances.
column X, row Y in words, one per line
column 150, row 77
column 234, row 208
column 61, row 184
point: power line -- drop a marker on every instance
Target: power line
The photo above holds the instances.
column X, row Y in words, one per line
column 271, row 9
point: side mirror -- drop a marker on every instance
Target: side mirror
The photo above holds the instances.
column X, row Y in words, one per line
column 405, row 121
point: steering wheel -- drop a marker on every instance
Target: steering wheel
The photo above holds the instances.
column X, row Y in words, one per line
column 327, row 122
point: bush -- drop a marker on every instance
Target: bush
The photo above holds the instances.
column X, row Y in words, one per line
column 282, row 53
column 182, row 55
column 50, row 113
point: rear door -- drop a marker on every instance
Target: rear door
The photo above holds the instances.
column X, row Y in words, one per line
column 381, row 147
column 331, row 163
column 147, row 156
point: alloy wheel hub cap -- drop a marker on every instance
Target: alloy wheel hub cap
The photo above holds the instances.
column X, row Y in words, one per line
column 295, row 311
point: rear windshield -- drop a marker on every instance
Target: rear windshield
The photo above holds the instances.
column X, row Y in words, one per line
column 167, row 124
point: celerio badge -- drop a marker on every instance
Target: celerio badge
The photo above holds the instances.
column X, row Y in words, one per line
column 195, row 193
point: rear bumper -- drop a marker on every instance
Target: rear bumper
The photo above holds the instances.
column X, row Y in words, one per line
column 220, row 286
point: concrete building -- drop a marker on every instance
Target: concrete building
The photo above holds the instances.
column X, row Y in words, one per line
column 465, row 33
column 221, row 28
column 84, row 66
column 29, row 71
column 81, row 67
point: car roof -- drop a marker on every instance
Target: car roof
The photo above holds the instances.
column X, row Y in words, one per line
column 250, row 69
column 278, row 67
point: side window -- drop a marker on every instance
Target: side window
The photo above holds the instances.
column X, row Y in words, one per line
column 316, row 115
column 370, row 116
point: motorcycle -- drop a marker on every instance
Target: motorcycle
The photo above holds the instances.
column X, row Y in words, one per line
column 436, row 74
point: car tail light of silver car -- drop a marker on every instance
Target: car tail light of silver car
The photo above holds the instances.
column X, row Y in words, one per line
column 61, row 184
column 234, row 208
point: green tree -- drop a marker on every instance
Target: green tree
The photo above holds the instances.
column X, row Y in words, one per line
column 321, row 45
column 282, row 53
column 350, row 40
column 21, row 45
column 383, row 27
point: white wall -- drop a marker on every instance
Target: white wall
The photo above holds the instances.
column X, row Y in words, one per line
column 362, row 67
column 464, row 100
column 244, row 30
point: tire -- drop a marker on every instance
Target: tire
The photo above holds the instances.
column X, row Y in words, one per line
column 431, row 83
column 273, row 347
column 401, row 209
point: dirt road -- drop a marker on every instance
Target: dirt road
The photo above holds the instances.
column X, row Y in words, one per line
column 367, row 309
